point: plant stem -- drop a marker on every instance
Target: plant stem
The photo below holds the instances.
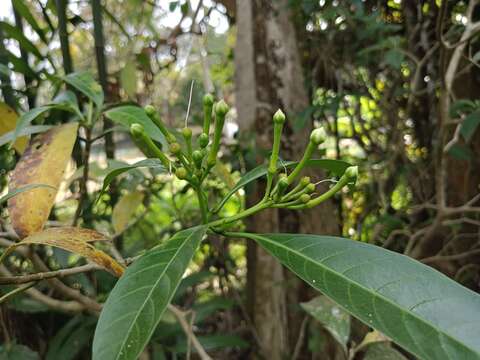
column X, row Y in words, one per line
column 203, row 204
column 248, row 212
column 306, row 156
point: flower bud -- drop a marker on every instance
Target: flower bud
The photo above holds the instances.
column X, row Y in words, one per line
column 149, row 110
column 351, row 172
column 187, row 133
column 305, row 198
column 197, row 157
column 175, row 148
column 208, row 100
column 137, row 129
column 181, row 173
column 221, row 108
column 304, row 181
column 318, row 136
column 310, row 188
column 203, row 140
column 279, row 117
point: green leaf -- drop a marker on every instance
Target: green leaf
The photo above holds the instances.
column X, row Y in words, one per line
column 213, row 342
column 337, row 167
column 71, row 338
column 335, row 320
column 13, row 32
column 419, row 308
column 128, row 115
column 461, row 106
column 66, row 98
column 460, row 152
column 22, row 9
column 148, row 163
column 128, row 79
column 15, row 192
column 21, row 66
column 470, row 124
column 86, row 84
column 26, row 118
column 382, row 351
column 29, row 130
column 17, row 352
column 138, row 300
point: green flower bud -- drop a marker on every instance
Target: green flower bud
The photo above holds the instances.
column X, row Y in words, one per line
column 137, row 130
column 279, row 117
column 221, row 108
column 351, row 172
column 318, row 136
column 149, row 110
column 203, row 140
column 195, row 179
column 304, row 181
column 208, row 100
column 197, row 158
column 187, row 133
column 175, row 148
column 305, row 198
column 181, row 173
column 310, row 188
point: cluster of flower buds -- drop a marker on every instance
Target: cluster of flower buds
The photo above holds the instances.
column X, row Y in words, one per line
column 302, row 195
column 187, row 163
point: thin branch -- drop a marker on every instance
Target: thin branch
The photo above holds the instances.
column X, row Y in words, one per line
column 22, row 279
column 180, row 315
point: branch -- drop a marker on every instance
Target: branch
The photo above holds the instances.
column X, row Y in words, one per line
column 180, row 315
column 22, row 279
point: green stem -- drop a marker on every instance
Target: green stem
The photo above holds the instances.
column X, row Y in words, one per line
column 325, row 196
column 203, row 204
column 306, row 156
column 248, row 212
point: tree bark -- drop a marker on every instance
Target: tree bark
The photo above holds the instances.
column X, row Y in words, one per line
column 270, row 76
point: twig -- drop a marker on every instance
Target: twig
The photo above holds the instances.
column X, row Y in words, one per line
column 22, row 279
column 301, row 337
column 16, row 291
column 180, row 315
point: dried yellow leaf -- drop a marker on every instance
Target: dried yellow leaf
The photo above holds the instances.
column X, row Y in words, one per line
column 125, row 209
column 43, row 162
column 8, row 122
column 76, row 240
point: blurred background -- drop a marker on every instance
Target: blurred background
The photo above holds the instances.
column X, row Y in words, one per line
column 395, row 83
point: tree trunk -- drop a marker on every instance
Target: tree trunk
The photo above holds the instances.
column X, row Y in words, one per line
column 270, row 76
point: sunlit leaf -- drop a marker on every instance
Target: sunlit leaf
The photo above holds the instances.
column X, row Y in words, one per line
column 138, row 300
column 43, row 162
column 23, row 10
column 128, row 79
column 75, row 240
column 13, row 32
column 8, row 122
column 125, row 209
column 128, row 114
column 404, row 299
column 86, row 84
column 20, row 190
column 28, row 130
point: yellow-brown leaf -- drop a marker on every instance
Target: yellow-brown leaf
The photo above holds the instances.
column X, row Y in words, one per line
column 125, row 209
column 76, row 240
column 8, row 122
column 43, row 162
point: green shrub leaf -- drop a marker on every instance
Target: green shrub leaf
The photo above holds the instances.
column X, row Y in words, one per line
column 140, row 297
column 419, row 308
column 86, row 84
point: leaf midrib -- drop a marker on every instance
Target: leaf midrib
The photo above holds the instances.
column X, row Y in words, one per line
column 327, row 269
column 151, row 290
